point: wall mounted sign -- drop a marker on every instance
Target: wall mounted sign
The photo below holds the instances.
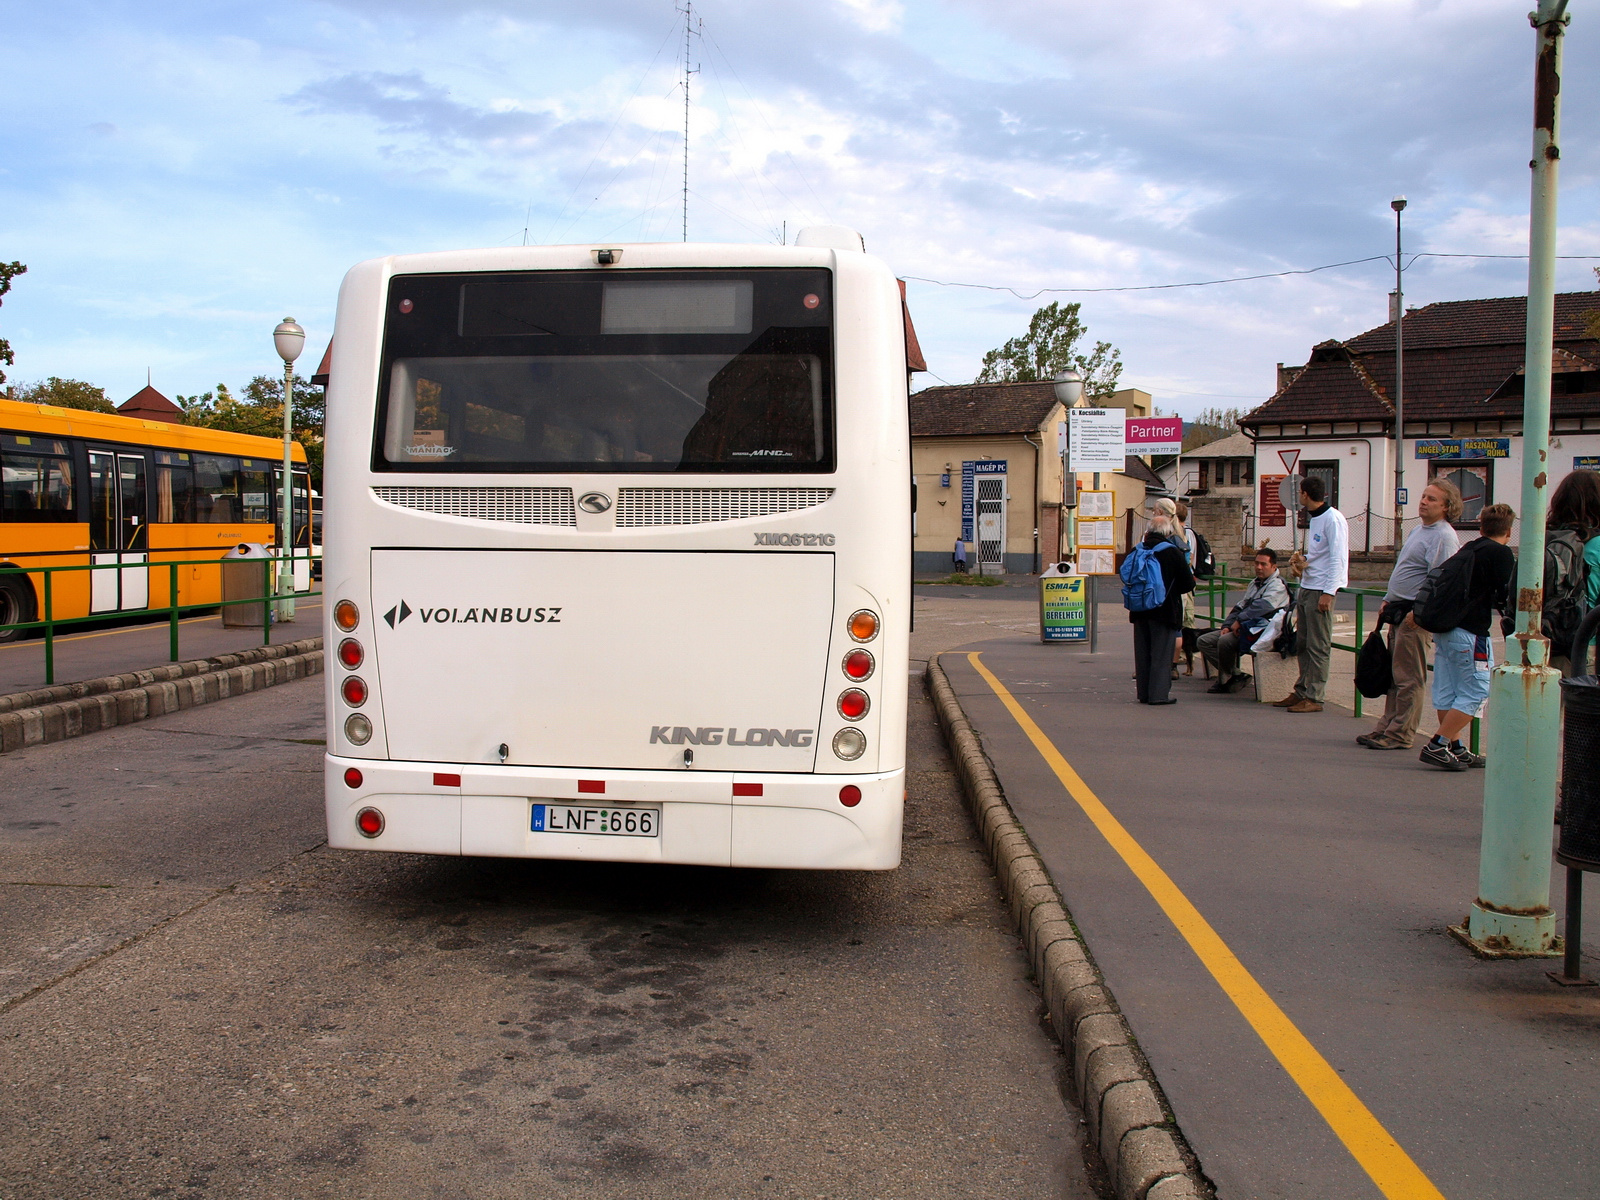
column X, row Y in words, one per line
column 1270, row 509
column 1586, row 462
column 1451, row 448
column 985, row 466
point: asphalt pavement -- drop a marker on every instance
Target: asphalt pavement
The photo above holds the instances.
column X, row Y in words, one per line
column 120, row 645
column 1331, row 872
column 197, row 997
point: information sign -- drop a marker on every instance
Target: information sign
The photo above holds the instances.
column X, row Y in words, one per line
column 1155, row 435
column 1435, row 448
column 1064, row 609
column 1099, row 534
column 970, row 469
column 1096, row 504
column 1097, row 562
column 1270, row 510
column 1099, row 439
column 1586, row 462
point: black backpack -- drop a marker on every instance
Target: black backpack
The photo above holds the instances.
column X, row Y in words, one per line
column 1446, row 594
column 1205, row 562
column 1566, row 584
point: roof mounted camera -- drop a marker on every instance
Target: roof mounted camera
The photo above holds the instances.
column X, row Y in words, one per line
column 606, row 258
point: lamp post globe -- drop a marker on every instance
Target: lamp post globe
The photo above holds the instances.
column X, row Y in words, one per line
column 1069, row 386
column 289, row 338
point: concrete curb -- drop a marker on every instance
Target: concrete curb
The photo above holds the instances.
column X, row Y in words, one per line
column 73, row 709
column 1130, row 1125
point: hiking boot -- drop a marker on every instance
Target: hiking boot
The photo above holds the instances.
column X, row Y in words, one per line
column 1391, row 742
column 1463, row 755
column 1305, row 706
column 1440, row 756
column 1369, row 740
column 1239, row 682
column 1288, row 701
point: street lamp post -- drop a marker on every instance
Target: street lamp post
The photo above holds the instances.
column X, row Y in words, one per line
column 1069, row 390
column 290, row 340
column 1511, row 913
column 1399, row 204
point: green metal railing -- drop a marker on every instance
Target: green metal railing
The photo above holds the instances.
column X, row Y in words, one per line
column 1216, row 588
column 49, row 622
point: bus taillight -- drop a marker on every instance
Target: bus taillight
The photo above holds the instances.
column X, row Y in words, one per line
column 346, row 615
column 853, row 704
column 849, row 744
column 352, row 777
column 369, row 822
column 354, row 691
column 858, row 664
column 864, row 625
column 358, row 729
column 350, row 653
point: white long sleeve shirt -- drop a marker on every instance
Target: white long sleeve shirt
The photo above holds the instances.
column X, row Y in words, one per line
column 1327, row 552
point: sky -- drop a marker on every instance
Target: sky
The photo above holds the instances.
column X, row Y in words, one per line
column 179, row 177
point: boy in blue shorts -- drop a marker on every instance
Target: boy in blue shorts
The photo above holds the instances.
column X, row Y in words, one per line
column 1463, row 656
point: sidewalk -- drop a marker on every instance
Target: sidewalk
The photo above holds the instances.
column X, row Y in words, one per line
column 89, row 653
column 1330, row 872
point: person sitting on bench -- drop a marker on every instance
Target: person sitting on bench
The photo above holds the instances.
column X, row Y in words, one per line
column 1222, row 646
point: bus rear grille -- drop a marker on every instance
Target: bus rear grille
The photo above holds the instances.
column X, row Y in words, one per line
column 696, row 506
column 522, row 505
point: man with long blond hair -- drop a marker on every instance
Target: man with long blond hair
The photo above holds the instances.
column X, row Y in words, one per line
column 1410, row 644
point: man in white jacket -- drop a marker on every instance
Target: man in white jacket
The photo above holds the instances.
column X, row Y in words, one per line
column 1325, row 568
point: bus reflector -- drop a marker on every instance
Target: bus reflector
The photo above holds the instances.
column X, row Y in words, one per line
column 597, row 786
column 853, row 704
column 849, row 743
column 858, row 664
column 350, row 653
column 864, row 625
column 352, row 776
column 440, row 779
column 369, row 822
column 346, row 615
column 358, row 729
column 747, row 789
column 354, row 691
column 849, row 795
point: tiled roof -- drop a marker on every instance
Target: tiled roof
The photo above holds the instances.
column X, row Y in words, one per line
column 914, row 359
column 1235, row 445
column 966, row 409
column 150, row 405
column 1462, row 359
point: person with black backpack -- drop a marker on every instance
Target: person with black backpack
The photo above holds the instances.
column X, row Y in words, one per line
column 1571, row 562
column 1454, row 604
column 1155, row 579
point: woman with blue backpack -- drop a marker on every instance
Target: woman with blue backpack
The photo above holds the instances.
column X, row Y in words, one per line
column 1155, row 578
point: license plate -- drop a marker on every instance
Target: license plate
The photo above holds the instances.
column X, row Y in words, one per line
column 610, row 822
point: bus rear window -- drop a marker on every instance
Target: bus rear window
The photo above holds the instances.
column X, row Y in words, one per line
column 654, row 372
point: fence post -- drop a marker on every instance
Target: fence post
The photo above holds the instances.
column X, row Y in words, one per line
column 172, row 603
column 49, row 628
column 266, row 606
column 1360, row 610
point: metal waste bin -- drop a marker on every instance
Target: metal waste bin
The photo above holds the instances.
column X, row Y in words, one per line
column 1579, row 847
column 244, row 577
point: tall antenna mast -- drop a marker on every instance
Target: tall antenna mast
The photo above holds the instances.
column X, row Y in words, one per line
column 688, row 21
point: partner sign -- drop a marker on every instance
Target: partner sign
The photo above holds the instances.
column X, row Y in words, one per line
column 1155, row 435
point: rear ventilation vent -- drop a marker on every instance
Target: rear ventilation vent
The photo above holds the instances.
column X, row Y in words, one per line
column 521, row 505
column 638, row 507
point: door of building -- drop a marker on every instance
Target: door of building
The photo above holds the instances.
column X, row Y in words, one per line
column 119, row 532
column 991, row 521
column 1328, row 472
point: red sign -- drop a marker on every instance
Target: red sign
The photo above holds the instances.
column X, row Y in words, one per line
column 1154, row 435
column 1270, row 510
column 1289, row 457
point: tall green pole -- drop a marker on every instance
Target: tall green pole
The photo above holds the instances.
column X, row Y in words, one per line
column 288, row 339
column 1512, row 910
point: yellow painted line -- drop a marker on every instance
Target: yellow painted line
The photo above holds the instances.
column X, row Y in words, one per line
column 1383, row 1158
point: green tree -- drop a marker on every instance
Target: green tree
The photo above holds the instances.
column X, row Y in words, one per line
column 258, row 409
column 1212, row 425
column 8, row 272
column 1051, row 346
column 64, row 393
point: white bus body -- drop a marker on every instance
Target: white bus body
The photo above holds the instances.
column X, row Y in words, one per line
column 606, row 531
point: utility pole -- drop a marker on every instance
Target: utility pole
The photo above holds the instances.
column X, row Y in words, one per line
column 1399, row 204
column 1512, row 910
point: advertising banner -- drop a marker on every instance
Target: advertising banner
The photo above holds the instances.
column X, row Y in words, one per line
column 1064, row 609
column 985, row 466
column 1154, row 435
column 1269, row 509
column 1099, row 439
column 1489, row 447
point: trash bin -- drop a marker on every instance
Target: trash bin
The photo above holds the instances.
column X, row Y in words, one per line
column 244, row 577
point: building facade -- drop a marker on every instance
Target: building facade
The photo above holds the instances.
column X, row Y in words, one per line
column 1334, row 417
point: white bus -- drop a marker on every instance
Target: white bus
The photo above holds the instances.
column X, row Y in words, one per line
column 618, row 555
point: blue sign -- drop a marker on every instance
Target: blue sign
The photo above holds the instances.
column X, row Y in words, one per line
column 1402, row 495
column 970, row 468
column 1586, row 462
column 1454, row 448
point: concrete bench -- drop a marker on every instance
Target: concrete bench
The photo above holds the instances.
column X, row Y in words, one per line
column 1275, row 675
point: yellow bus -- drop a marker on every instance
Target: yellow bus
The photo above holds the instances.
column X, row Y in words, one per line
column 84, row 488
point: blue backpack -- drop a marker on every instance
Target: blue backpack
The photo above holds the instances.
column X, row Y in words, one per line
column 1142, row 586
